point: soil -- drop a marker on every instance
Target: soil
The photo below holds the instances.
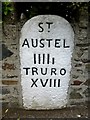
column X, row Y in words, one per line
column 77, row 111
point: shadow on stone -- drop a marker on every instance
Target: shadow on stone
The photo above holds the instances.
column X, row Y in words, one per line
column 5, row 52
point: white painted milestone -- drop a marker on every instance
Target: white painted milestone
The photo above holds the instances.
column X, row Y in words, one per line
column 46, row 47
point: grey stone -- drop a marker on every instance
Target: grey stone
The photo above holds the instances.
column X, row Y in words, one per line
column 75, row 95
column 85, row 58
column 5, row 91
column 78, row 65
column 87, row 92
column 5, row 52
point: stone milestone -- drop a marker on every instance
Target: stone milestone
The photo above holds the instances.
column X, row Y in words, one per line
column 46, row 47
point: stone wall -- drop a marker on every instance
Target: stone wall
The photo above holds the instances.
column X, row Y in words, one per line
column 11, row 88
column 81, row 61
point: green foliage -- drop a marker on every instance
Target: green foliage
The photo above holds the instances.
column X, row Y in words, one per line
column 77, row 5
column 7, row 8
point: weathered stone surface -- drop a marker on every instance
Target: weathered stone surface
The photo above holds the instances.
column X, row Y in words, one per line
column 83, row 24
column 87, row 82
column 5, row 91
column 87, row 67
column 14, row 90
column 82, row 37
column 85, row 58
column 77, row 72
column 78, row 65
column 77, row 54
column 77, row 59
column 10, row 31
column 83, row 18
column 85, row 48
column 39, row 90
column 80, row 71
column 75, row 76
column 87, row 92
column 6, row 66
column 75, row 95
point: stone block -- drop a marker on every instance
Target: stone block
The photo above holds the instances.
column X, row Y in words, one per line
column 77, row 82
column 80, row 71
column 87, row 92
column 87, row 66
column 78, row 65
column 8, row 66
column 9, row 82
column 75, row 95
column 85, row 58
column 5, row 90
column 78, row 53
column 14, row 90
column 82, row 36
column 77, row 72
column 10, row 31
column 75, row 76
column 87, row 82
column 83, row 24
